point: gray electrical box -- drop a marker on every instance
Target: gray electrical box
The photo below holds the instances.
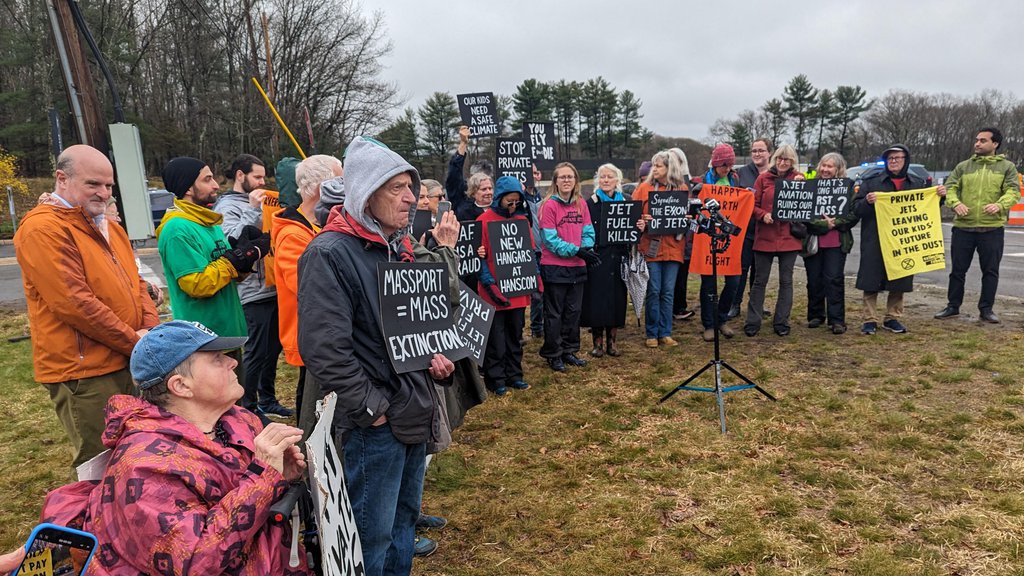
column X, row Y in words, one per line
column 131, row 180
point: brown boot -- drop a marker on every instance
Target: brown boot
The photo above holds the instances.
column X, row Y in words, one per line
column 612, row 350
column 598, row 350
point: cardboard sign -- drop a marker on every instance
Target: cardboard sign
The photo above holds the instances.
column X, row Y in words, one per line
column 480, row 113
column 616, row 222
column 415, row 315
column 340, row 549
column 473, row 320
column 421, row 222
column 466, row 248
column 737, row 205
column 668, row 212
column 541, row 136
column 910, row 232
column 806, row 200
column 515, row 265
column 514, row 159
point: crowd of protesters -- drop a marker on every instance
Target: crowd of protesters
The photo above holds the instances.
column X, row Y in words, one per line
column 303, row 281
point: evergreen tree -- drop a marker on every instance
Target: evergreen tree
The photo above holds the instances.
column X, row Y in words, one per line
column 402, row 137
column 627, row 121
column 440, row 120
column 825, row 113
column 800, row 97
column 565, row 108
column 776, row 115
column 531, row 102
column 849, row 104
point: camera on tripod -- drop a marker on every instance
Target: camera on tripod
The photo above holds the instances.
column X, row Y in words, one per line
column 706, row 216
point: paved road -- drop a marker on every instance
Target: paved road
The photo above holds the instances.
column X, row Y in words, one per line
column 1011, row 280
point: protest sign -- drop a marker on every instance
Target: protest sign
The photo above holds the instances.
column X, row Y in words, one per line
column 421, row 222
column 541, row 136
column 270, row 205
column 340, row 549
column 466, row 247
column 415, row 314
column 513, row 159
column 515, row 266
column 806, row 200
column 480, row 113
column 473, row 320
column 668, row 212
column 910, row 232
column 616, row 222
column 737, row 204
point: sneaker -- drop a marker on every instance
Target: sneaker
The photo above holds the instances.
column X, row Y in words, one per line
column 751, row 331
column 651, row 342
column 815, row 323
column 519, row 385
column 556, row 364
column 572, row 360
column 868, row 329
column 782, row 330
column 684, row 315
column 424, row 547
column 894, row 326
column 277, row 410
column 428, row 521
column 597, row 352
column 708, row 335
column 667, row 341
column 838, row 328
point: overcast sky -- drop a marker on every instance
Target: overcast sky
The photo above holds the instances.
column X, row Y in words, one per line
column 691, row 63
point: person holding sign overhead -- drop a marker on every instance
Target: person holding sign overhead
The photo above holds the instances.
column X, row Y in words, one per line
column 604, row 296
column 568, row 237
column 826, row 281
column 503, row 360
column 663, row 252
column 773, row 239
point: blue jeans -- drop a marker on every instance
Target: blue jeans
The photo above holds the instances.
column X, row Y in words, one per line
column 708, row 286
column 385, row 485
column 660, row 290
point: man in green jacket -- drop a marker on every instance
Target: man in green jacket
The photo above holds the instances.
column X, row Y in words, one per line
column 981, row 192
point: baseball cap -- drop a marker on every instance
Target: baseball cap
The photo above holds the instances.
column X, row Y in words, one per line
column 167, row 345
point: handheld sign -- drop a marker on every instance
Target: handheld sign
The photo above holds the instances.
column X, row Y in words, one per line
column 737, row 204
column 340, row 548
column 668, row 212
column 415, row 315
column 910, row 232
column 616, row 223
column 473, row 320
column 515, row 266
column 806, row 200
column 480, row 113
column 513, row 159
column 541, row 136
column 421, row 222
column 466, row 247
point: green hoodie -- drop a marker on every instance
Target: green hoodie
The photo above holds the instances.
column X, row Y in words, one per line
column 979, row 181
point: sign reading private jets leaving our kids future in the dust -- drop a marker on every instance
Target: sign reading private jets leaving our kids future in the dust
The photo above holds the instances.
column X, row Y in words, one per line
column 480, row 113
column 416, row 314
column 910, row 231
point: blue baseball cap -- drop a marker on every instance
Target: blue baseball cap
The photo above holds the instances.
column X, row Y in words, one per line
column 167, row 345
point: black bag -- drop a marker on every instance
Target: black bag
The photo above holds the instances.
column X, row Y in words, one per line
column 798, row 230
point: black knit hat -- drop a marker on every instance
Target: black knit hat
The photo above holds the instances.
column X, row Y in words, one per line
column 180, row 174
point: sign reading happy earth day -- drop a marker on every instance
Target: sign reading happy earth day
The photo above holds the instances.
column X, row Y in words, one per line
column 480, row 113
column 910, row 232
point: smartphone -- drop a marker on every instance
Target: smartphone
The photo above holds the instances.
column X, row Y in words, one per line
column 53, row 549
column 442, row 207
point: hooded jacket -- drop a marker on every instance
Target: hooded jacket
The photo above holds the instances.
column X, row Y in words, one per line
column 173, row 501
column 85, row 297
column 237, row 213
column 979, row 181
column 496, row 214
column 290, row 233
column 340, row 336
column 774, row 237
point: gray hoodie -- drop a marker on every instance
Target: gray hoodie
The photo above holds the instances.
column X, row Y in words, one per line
column 368, row 165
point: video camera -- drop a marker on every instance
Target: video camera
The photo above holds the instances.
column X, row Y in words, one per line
column 712, row 220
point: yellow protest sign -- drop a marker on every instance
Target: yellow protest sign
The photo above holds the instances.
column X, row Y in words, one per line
column 910, row 232
column 271, row 205
column 38, row 564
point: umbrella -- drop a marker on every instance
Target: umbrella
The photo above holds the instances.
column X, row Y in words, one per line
column 635, row 275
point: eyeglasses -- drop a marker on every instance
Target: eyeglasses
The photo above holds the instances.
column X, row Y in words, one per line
column 890, row 158
column 567, row 177
column 783, row 159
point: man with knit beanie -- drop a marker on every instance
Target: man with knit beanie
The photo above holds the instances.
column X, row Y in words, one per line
column 200, row 264
column 384, row 420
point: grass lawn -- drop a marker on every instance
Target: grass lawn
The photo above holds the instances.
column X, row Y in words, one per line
column 884, row 455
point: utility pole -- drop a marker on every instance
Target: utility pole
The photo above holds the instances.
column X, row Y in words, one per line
column 270, row 81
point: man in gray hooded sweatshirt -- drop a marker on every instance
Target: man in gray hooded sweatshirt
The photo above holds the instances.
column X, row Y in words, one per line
column 385, row 419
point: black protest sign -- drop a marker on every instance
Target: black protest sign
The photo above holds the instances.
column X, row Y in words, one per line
column 473, row 321
column 515, row 266
column 415, row 314
column 480, row 113
column 668, row 212
column 466, row 247
column 806, row 200
column 616, row 222
column 541, row 136
column 421, row 222
column 513, row 159
column 832, row 196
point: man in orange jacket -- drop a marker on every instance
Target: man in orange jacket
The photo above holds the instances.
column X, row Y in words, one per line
column 87, row 304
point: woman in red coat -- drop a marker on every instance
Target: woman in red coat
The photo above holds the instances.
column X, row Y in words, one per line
column 773, row 239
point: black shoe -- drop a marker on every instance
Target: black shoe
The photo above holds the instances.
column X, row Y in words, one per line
column 895, row 326
column 782, row 330
column 277, row 410
column 572, row 360
column 556, row 364
column 751, row 330
column 815, row 323
column 733, row 312
column 989, row 316
column 838, row 328
column 684, row 315
column 947, row 312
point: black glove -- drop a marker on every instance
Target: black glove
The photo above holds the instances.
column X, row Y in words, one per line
column 248, row 250
column 496, row 295
column 589, row 256
column 246, row 234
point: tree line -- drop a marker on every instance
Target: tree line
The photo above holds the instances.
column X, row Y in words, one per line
column 939, row 128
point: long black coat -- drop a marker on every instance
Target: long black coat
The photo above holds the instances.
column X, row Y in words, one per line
column 604, row 296
column 871, row 276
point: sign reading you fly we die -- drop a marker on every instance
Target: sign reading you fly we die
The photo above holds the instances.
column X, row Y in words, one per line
column 480, row 113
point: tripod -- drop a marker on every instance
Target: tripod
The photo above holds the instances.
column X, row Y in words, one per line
column 719, row 244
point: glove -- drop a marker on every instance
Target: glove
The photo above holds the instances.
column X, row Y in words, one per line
column 247, row 250
column 496, row 295
column 246, row 234
column 589, row 256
